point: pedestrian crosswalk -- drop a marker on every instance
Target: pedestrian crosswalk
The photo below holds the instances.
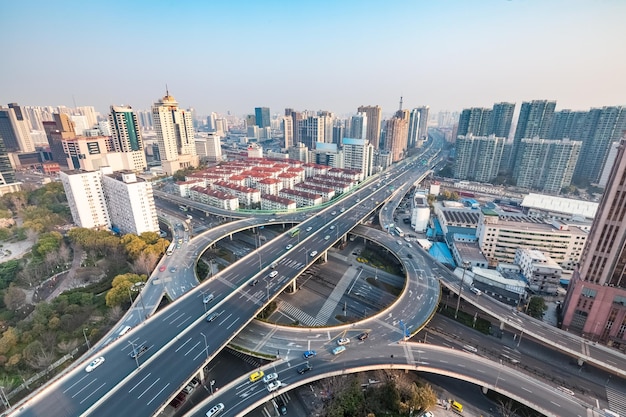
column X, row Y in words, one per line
column 333, row 299
column 297, row 314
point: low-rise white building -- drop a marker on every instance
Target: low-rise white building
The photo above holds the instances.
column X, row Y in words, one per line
column 541, row 272
column 85, row 197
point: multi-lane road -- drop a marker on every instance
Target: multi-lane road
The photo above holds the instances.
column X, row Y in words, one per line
column 180, row 340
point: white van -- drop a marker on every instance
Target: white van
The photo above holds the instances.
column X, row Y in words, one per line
column 124, row 330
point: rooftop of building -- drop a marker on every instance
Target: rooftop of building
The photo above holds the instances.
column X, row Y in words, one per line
column 465, row 216
column 569, row 206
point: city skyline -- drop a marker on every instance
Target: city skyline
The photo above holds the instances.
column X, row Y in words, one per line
column 469, row 55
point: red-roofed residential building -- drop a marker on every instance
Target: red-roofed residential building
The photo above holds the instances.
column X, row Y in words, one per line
column 183, row 187
column 302, row 199
column 248, row 197
column 274, row 202
column 327, row 193
column 289, row 179
column 214, row 198
column 270, row 186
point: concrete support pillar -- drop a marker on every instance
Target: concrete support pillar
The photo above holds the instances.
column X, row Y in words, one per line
column 485, row 390
column 294, row 286
column 201, row 375
column 325, row 256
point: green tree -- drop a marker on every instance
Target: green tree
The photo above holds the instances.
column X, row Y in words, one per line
column 47, row 243
column 8, row 341
column 8, row 271
column 536, row 307
column 14, row 298
column 121, row 285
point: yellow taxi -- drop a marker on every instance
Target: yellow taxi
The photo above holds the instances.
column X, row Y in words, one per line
column 256, row 376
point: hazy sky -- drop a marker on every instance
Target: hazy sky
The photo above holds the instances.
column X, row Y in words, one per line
column 235, row 55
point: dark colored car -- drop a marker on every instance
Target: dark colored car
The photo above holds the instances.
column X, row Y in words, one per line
column 139, row 351
column 363, row 336
column 253, row 283
column 305, row 368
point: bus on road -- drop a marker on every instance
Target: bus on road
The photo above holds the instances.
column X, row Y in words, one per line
column 170, row 248
column 295, row 232
column 183, row 208
column 399, row 231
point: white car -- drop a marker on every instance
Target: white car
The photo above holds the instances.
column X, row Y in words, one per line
column 343, row 341
column 332, row 227
column 273, row 274
column 270, row 377
column 207, row 298
column 308, row 229
column 94, row 364
column 326, row 237
column 289, row 246
column 215, row 410
column 314, row 253
column 273, row 386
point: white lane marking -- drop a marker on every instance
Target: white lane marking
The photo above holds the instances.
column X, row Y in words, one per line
column 93, row 392
column 151, row 385
column 183, row 345
column 72, row 386
column 192, row 348
column 142, row 379
column 83, row 388
column 158, row 393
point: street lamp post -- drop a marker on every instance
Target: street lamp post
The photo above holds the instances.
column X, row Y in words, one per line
column 498, row 377
column 458, row 301
column 86, row 340
column 135, row 353
column 211, row 385
column 206, row 349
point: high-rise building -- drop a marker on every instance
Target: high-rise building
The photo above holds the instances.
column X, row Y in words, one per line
column 250, row 120
column 422, row 133
column 374, row 120
column 568, row 124
column 287, row 131
column 209, row 147
column 502, row 118
column 90, row 114
column 546, row 165
column 7, row 173
column 475, row 121
column 358, row 155
column 358, row 126
column 262, row 116
column 85, row 196
column 15, row 129
column 175, row 135
column 535, row 120
column 478, row 157
column 311, row 130
column 397, row 135
column 130, row 202
column 58, row 130
column 603, row 127
column 595, row 305
column 414, row 140
column 126, row 136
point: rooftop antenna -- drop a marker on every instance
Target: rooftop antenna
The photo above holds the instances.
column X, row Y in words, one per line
column 167, row 91
column 74, row 100
column 400, row 102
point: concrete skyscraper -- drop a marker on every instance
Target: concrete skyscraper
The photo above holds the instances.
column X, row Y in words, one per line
column 7, row 173
column 603, row 127
column 374, row 120
column 535, row 120
column 358, row 126
column 262, row 116
column 423, row 124
column 595, row 305
column 546, row 165
column 358, row 155
column 175, row 135
column 475, row 121
column 287, row 131
column 502, row 118
column 15, row 129
column 127, row 136
column 397, row 135
column 478, row 157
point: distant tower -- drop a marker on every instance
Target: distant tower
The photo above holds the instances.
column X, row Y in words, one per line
column 262, row 116
column 374, row 120
column 535, row 120
column 15, row 129
column 174, row 128
column 594, row 305
column 127, row 136
column 358, row 126
column 397, row 135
